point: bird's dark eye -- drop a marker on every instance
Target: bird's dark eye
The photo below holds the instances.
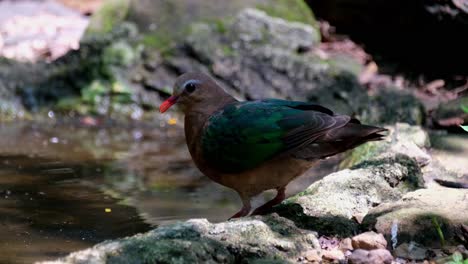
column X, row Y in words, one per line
column 190, row 87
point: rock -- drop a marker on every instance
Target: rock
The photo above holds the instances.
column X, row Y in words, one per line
column 342, row 93
column 263, row 65
column 387, row 105
column 418, row 216
column 252, row 65
column 328, row 205
column 91, row 80
column 248, row 240
column 402, row 139
column 165, row 22
column 410, row 251
column 333, row 255
column 247, row 64
column 313, row 256
column 391, row 105
column 254, row 27
column 346, row 244
column 369, row 240
column 275, row 63
column 376, row 256
column 387, row 171
column 359, row 217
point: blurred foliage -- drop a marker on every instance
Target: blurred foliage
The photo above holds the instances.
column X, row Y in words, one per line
column 159, row 42
column 465, row 109
column 120, row 54
column 457, row 258
column 99, row 97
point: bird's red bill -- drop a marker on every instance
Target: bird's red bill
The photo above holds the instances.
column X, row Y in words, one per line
column 168, row 103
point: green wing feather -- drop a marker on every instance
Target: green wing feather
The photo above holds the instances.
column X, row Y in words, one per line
column 243, row 135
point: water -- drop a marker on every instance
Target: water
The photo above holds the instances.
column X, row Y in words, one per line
column 65, row 187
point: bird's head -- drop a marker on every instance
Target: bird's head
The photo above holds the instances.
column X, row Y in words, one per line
column 193, row 89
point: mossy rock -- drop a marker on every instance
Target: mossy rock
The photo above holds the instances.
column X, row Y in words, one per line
column 269, row 239
column 291, row 10
column 391, row 105
column 108, row 16
column 339, row 90
column 332, row 205
column 419, row 216
column 378, row 172
column 165, row 23
column 401, row 138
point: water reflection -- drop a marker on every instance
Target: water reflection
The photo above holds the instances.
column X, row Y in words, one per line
column 45, row 210
column 65, row 187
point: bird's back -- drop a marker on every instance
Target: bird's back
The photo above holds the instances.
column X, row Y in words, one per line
column 244, row 135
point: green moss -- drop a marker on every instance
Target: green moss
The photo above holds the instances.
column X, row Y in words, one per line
column 111, row 13
column 311, row 190
column 93, row 93
column 162, row 185
column 220, row 26
column 71, row 104
column 159, row 42
column 324, row 224
column 359, row 154
column 228, row 50
column 171, row 249
column 291, row 10
column 99, row 97
column 120, row 54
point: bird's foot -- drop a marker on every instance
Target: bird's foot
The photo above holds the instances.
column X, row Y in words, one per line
column 261, row 210
column 243, row 212
column 266, row 208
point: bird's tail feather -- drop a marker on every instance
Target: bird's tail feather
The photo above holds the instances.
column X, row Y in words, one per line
column 340, row 139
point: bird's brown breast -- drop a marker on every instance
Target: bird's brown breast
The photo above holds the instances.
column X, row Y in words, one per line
column 272, row 174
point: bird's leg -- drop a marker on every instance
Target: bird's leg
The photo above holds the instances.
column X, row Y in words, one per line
column 280, row 196
column 245, row 210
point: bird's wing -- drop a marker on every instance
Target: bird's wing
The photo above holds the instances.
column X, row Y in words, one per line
column 243, row 135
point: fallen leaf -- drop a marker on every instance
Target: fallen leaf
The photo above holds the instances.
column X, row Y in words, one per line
column 172, row 121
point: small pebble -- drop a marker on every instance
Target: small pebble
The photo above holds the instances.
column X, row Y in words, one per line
column 313, row 255
column 333, row 254
column 369, row 240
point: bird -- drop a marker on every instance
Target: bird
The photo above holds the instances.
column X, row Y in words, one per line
column 258, row 145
